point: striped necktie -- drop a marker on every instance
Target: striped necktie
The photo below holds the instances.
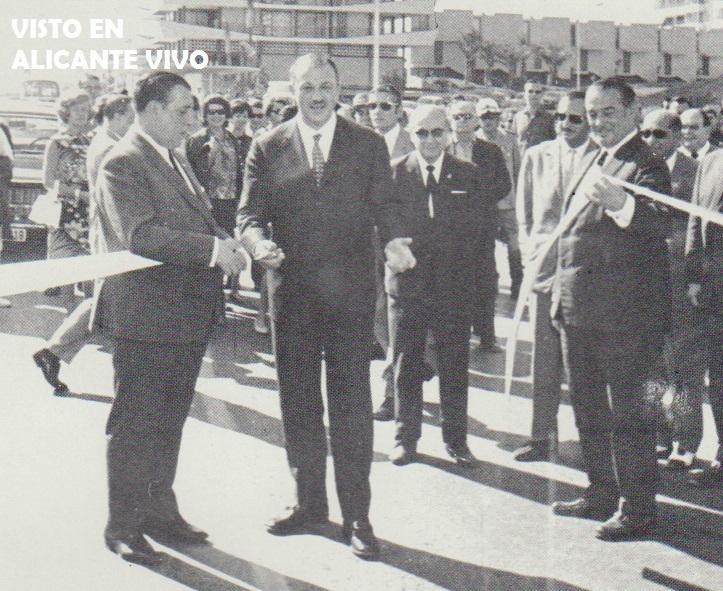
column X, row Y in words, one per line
column 317, row 160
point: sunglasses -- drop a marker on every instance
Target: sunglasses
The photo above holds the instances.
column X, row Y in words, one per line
column 436, row 133
column 256, row 115
column 216, row 112
column 533, row 91
column 577, row 119
column 383, row 106
column 360, row 109
column 489, row 116
column 658, row 134
column 462, row 116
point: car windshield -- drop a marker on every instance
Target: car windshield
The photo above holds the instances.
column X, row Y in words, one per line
column 30, row 132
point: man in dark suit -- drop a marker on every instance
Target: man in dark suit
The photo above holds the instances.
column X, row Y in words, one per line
column 611, row 300
column 323, row 183
column 448, row 215
column 149, row 202
column 704, row 262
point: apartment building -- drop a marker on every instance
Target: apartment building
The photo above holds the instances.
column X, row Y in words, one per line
column 702, row 14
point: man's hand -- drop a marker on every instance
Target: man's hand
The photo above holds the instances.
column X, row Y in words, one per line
column 694, row 290
column 399, row 255
column 268, row 254
column 603, row 192
column 230, row 256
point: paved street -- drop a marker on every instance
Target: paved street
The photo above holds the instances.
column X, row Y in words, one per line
column 441, row 527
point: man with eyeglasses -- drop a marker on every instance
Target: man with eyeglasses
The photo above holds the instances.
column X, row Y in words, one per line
column 324, row 184
column 360, row 109
column 496, row 179
column 682, row 369
column 444, row 210
column 546, row 171
column 384, row 106
column 696, row 129
column 533, row 124
column 611, row 302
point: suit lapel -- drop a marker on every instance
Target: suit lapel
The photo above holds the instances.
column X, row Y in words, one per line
column 338, row 153
column 292, row 151
column 585, row 164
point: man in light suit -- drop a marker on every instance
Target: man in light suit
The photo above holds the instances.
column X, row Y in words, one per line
column 704, row 262
column 160, row 318
column 448, row 214
column 611, row 300
column 323, row 183
column 546, row 170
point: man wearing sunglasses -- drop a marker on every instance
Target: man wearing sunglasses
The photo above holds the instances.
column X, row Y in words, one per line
column 533, row 124
column 446, row 215
column 683, row 370
column 611, row 302
column 544, row 176
column 384, row 109
column 360, row 109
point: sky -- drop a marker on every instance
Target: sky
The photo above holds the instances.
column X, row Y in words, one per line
column 136, row 15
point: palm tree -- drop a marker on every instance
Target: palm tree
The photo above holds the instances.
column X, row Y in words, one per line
column 512, row 55
column 470, row 44
column 490, row 54
column 553, row 56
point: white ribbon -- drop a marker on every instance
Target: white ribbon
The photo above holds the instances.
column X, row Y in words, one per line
column 576, row 207
column 39, row 275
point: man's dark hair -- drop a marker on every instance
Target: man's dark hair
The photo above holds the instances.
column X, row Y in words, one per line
column 239, row 106
column 215, row 99
column 156, row 86
column 389, row 89
column 680, row 99
column 626, row 92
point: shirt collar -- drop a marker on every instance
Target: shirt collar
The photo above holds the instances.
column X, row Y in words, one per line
column 670, row 160
column 158, row 147
column 621, row 143
column 326, row 130
column 437, row 166
column 390, row 137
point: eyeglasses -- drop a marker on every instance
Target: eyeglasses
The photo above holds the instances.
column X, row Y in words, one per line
column 532, row 91
column 215, row 112
column 384, row 106
column 576, row 119
column 436, row 133
column 462, row 116
column 658, row 134
column 256, row 115
column 489, row 116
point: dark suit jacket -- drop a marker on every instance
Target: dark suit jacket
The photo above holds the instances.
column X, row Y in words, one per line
column 611, row 278
column 495, row 176
column 682, row 178
column 146, row 207
column 704, row 255
column 325, row 232
column 450, row 242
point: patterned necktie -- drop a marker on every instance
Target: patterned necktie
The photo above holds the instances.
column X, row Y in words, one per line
column 317, row 160
column 432, row 187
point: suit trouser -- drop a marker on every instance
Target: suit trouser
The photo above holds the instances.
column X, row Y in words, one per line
column 381, row 323
column 507, row 222
column 451, row 336
column 617, row 429
column 546, row 372
column 302, row 333
column 486, row 288
column 714, row 343
column 154, row 387
column 70, row 337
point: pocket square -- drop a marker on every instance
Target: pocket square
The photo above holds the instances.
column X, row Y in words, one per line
column 458, row 192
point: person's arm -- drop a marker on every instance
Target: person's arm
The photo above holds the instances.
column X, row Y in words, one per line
column 123, row 194
column 385, row 201
column 502, row 183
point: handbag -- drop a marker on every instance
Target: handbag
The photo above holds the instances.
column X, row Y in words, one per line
column 47, row 208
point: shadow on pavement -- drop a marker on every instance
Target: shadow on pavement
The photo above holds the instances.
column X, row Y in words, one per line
column 669, row 582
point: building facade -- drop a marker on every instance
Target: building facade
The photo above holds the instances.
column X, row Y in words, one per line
column 703, row 14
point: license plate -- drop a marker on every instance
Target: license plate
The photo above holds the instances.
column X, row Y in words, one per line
column 19, row 234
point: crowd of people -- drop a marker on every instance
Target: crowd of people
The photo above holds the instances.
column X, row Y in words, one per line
column 372, row 232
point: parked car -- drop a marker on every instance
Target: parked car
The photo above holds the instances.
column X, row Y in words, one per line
column 31, row 124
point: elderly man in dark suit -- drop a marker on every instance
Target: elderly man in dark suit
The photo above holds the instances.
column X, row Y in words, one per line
column 704, row 262
column 323, row 183
column 448, row 215
column 149, row 202
column 611, row 300
column 682, row 370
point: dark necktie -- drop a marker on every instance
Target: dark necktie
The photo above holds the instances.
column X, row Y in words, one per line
column 603, row 157
column 694, row 155
column 317, row 160
column 432, row 188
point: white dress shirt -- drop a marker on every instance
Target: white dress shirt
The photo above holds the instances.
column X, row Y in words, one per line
column 700, row 153
column 390, row 138
column 570, row 158
column 179, row 167
column 436, row 171
column 307, row 137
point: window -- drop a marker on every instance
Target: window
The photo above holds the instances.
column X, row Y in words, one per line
column 387, row 27
column 573, row 35
column 339, row 23
column 421, row 22
column 311, row 24
column 277, row 24
column 667, row 64
column 438, row 53
column 626, row 62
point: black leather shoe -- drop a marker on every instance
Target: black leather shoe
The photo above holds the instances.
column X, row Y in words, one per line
column 49, row 364
column 625, row 527
column 385, row 412
column 402, row 455
column 586, row 508
column 131, row 546
column 536, row 451
column 295, row 520
column 360, row 536
column 461, row 455
column 706, row 477
column 177, row 530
